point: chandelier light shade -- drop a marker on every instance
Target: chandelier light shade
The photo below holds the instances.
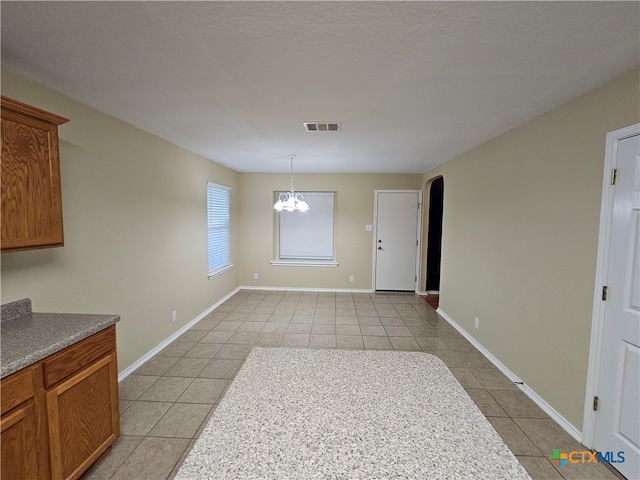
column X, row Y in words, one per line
column 291, row 200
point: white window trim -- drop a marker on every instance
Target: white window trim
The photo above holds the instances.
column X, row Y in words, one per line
column 304, row 262
column 223, row 268
column 220, row 271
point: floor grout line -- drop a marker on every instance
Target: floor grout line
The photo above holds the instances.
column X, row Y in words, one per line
column 368, row 307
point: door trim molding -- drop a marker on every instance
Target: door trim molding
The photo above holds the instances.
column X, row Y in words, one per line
column 375, row 234
column 602, row 267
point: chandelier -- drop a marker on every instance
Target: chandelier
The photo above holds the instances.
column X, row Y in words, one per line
column 291, row 200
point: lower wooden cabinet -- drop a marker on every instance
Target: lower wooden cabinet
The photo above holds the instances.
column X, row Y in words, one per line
column 18, row 439
column 76, row 420
column 23, row 446
column 82, row 423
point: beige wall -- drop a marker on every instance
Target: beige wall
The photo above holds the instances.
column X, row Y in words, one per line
column 352, row 244
column 135, row 228
column 519, row 243
column 521, row 219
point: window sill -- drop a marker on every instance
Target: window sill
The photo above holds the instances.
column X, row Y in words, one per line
column 220, row 271
column 304, row 263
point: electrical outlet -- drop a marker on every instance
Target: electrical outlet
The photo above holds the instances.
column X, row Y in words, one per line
column 352, row 278
column 476, row 323
column 174, row 316
column 255, row 276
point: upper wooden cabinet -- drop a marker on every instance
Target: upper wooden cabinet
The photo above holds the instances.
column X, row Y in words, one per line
column 31, row 193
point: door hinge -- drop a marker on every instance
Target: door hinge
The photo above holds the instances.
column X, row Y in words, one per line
column 417, row 243
column 614, row 176
column 605, row 292
column 596, row 400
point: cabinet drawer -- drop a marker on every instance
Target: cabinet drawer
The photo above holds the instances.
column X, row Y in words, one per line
column 16, row 389
column 59, row 366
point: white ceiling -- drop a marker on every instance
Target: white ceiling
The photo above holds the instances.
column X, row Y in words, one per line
column 413, row 83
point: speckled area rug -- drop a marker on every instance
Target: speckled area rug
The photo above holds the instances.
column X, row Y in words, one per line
column 347, row 414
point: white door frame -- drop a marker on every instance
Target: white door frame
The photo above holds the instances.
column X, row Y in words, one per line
column 375, row 236
column 602, row 264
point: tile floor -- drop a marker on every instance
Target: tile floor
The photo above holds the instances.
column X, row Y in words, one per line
column 167, row 401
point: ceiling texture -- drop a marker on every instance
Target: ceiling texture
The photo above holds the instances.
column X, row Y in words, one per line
column 412, row 84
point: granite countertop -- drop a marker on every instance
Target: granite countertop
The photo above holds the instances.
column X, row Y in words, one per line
column 27, row 337
column 348, row 414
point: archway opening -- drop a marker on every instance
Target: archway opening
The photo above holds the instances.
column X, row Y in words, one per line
column 434, row 235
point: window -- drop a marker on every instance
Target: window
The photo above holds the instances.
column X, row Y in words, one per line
column 307, row 237
column 218, row 228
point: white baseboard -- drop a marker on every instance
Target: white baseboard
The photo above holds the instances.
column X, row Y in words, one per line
column 559, row 419
column 131, row 368
column 537, row 399
column 298, row 289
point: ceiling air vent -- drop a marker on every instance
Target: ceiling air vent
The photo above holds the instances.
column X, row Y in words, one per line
column 322, row 126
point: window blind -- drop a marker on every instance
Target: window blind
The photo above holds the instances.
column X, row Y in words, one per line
column 217, row 227
column 308, row 235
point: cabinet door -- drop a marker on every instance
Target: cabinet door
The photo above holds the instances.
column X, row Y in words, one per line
column 18, row 443
column 23, row 440
column 83, row 418
column 31, row 192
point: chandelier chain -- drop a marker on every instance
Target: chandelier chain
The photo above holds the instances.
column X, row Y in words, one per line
column 291, row 201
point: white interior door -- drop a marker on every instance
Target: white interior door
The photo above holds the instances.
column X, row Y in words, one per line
column 396, row 246
column 617, row 426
